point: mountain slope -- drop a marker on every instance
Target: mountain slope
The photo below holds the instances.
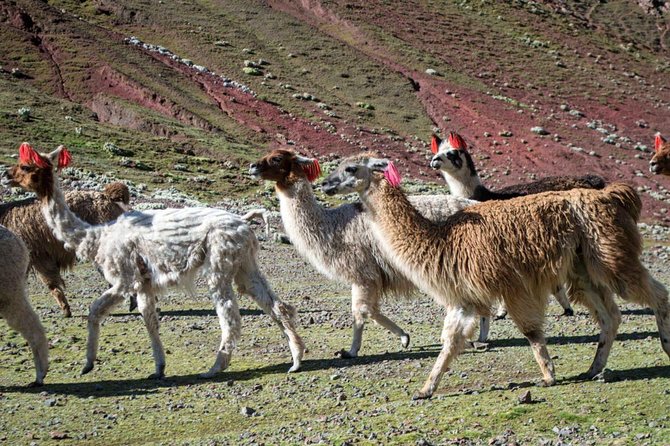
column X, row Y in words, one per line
column 336, row 77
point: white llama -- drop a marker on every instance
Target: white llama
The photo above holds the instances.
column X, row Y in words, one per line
column 14, row 305
column 146, row 252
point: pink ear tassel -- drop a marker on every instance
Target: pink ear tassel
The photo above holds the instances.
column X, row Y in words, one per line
column 392, row 175
column 64, row 158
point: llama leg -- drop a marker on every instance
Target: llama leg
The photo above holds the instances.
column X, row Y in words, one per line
column 229, row 319
column 365, row 303
column 605, row 311
column 255, row 285
column 146, row 304
column 562, row 298
column 459, row 324
column 661, row 309
column 539, row 346
column 484, row 328
column 21, row 317
column 528, row 315
column 100, row 308
column 52, row 279
column 638, row 286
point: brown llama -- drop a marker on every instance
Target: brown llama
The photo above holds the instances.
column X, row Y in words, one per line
column 519, row 250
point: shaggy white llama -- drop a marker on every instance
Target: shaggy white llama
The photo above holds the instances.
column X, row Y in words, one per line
column 145, row 252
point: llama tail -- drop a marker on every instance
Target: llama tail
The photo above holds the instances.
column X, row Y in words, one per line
column 626, row 197
column 264, row 214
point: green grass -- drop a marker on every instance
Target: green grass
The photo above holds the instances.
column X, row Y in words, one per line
column 476, row 401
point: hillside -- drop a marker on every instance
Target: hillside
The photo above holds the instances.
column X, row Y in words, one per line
column 193, row 91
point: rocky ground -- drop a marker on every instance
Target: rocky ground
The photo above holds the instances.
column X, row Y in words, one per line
column 488, row 398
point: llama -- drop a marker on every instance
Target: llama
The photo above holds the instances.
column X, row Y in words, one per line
column 143, row 253
column 518, row 249
column 660, row 162
column 455, row 164
column 452, row 159
column 338, row 242
column 48, row 256
column 14, row 305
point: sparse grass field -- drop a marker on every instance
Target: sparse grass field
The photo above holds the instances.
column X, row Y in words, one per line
column 334, row 401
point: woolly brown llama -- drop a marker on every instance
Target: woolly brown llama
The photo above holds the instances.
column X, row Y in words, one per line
column 518, row 249
column 457, row 167
column 144, row 253
column 660, row 162
column 14, row 305
column 48, row 256
column 338, row 241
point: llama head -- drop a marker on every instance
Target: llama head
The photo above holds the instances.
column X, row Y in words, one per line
column 660, row 162
column 284, row 166
column 357, row 173
column 451, row 156
column 35, row 171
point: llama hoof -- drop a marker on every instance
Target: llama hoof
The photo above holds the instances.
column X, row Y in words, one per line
column 35, row 384
column 500, row 316
column 207, row 375
column 295, row 368
column 132, row 304
column 593, row 375
column 67, row 312
column 547, row 383
column 87, row 368
column 345, row 354
column 568, row 312
column 420, row 395
column 480, row 346
column 156, row 376
column 404, row 340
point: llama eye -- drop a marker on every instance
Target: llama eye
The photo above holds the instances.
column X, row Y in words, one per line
column 351, row 169
column 25, row 168
column 276, row 160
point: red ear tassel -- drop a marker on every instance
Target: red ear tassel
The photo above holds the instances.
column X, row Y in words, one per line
column 28, row 155
column 456, row 141
column 312, row 170
column 658, row 142
column 435, row 144
column 64, row 158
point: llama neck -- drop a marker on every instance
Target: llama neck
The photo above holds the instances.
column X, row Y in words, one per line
column 405, row 236
column 463, row 184
column 301, row 214
column 75, row 233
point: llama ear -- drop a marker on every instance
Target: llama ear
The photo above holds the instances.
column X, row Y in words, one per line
column 456, row 141
column 658, row 141
column 60, row 157
column 435, row 142
column 310, row 166
column 392, row 175
column 29, row 155
column 377, row 164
